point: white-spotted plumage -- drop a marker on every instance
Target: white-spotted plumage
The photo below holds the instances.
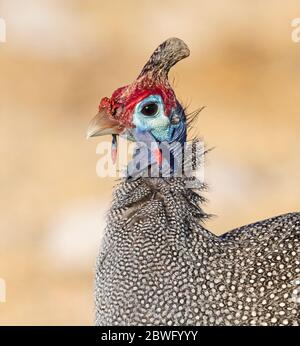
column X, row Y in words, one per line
column 158, row 265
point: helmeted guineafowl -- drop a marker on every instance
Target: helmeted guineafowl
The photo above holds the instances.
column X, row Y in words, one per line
column 158, row 265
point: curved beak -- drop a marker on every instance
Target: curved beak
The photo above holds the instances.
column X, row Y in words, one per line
column 102, row 124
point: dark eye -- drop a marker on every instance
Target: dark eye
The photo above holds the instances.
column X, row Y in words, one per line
column 150, row 109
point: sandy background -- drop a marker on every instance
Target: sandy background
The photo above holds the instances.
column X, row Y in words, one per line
column 61, row 57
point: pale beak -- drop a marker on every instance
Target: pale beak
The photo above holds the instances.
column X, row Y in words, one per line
column 102, row 124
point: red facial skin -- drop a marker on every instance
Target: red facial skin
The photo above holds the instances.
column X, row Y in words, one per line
column 123, row 101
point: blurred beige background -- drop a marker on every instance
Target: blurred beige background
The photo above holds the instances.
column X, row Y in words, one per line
column 61, row 57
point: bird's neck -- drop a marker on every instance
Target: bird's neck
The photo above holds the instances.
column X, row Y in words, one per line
column 150, row 201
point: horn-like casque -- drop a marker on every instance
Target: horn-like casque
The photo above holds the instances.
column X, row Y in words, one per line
column 164, row 57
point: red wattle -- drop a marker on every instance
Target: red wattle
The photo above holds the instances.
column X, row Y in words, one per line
column 158, row 157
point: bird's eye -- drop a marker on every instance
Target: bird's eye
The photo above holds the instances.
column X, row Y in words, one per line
column 150, row 109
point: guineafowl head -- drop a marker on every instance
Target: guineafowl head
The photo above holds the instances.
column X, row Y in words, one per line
column 147, row 108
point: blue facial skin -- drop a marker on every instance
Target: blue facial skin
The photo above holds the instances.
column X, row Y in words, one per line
column 152, row 130
column 158, row 125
